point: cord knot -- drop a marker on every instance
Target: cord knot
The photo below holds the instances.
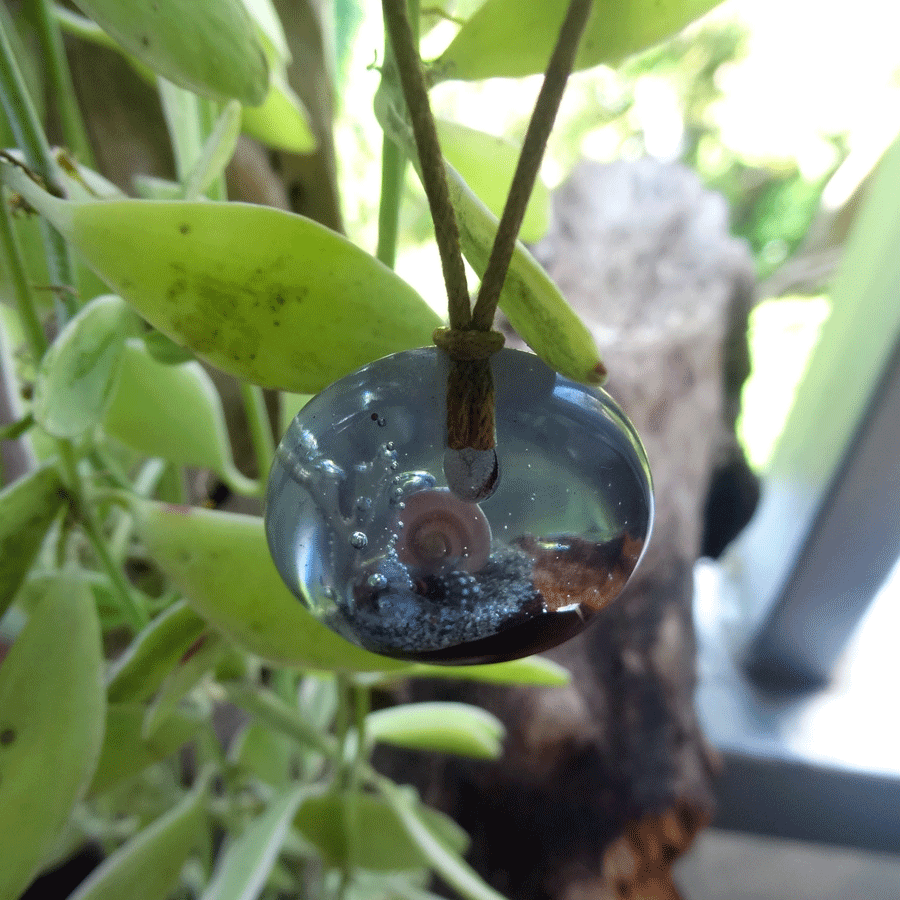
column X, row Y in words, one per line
column 468, row 344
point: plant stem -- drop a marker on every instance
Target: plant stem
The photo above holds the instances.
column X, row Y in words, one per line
column 182, row 114
column 171, row 488
column 273, row 712
column 359, row 699
column 128, row 606
column 11, row 255
column 341, row 781
column 20, row 111
column 61, row 86
column 82, row 27
column 434, row 179
column 15, row 430
column 342, row 726
column 30, row 137
column 413, row 15
column 144, row 485
column 393, row 167
column 284, row 684
column 208, row 112
column 446, row 864
column 103, row 463
column 539, row 128
column 260, row 428
column 362, row 703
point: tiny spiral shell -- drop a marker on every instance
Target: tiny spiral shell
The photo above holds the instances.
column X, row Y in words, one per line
column 441, row 532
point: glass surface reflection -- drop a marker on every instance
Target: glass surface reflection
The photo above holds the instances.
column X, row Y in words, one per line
column 365, row 531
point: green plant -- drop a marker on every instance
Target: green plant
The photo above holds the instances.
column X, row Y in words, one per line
column 133, row 614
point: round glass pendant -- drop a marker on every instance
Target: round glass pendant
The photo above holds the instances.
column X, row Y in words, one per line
column 366, row 532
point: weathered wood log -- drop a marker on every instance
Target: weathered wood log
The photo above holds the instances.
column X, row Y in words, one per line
column 604, row 783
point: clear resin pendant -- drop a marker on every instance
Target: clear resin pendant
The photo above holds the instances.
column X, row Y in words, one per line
column 365, row 531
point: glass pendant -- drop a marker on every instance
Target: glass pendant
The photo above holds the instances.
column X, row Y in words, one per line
column 366, row 532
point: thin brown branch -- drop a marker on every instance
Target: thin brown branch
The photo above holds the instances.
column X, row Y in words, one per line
column 539, row 128
column 434, row 179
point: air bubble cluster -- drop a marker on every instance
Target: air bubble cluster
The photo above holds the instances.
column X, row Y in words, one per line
column 365, row 530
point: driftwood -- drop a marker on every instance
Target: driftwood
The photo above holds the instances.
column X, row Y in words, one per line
column 604, row 783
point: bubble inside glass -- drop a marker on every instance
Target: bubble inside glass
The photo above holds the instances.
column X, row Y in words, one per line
column 364, row 530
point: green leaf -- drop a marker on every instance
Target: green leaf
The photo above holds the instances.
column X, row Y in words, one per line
column 27, row 509
column 531, row 301
column 149, row 187
column 444, row 727
column 317, row 696
column 40, row 580
column 31, row 247
column 233, row 664
column 221, row 562
column 148, row 866
column 217, row 151
column 442, row 859
column 77, row 376
column 282, row 121
column 379, row 840
column 534, row 670
column 246, row 861
column 210, row 48
column 140, row 671
column 51, row 728
column 271, row 710
column 265, row 16
column 487, row 164
column 369, row 885
column 284, row 880
column 201, row 659
column 106, row 601
column 127, row 753
column 508, row 39
column 271, row 297
column 265, row 754
column 12, row 337
column 172, row 411
column 187, row 117
column 16, row 429
column 163, row 349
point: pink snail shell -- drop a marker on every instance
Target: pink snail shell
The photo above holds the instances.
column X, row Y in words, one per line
column 442, row 532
